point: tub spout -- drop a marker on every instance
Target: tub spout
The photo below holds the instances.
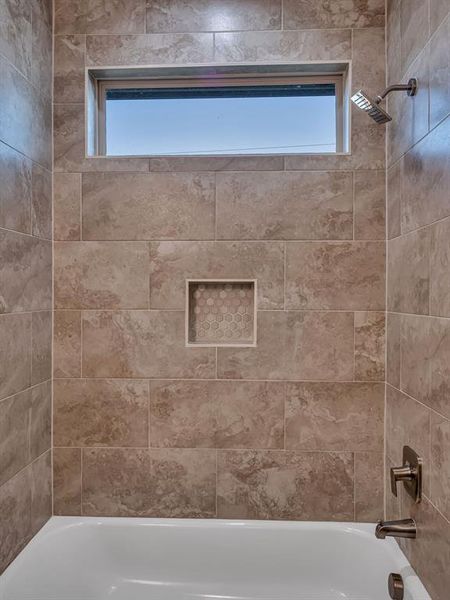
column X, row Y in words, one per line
column 405, row 528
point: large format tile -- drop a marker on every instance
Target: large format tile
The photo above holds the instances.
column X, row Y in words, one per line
column 439, row 9
column 368, row 59
column 294, row 345
column 440, row 74
column 369, row 346
column 221, row 414
column 67, row 343
column 41, row 202
column 370, row 201
column 16, row 34
column 69, row 72
column 42, row 47
column 67, row 206
column 414, row 29
column 141, row 344
column 304, row 14
column 40, row 434
column 269, row 484
column 393, row 200
column 107, row 412
column 334, row 416
column 101, row 275
column 153, row 206
column 15, row 350
column 14, row 434
column 393, row 42
column 97, row 16
column 171, row 263
column 67, row 481
column 15, row 191
column 335, row 275
column 393, row 328
column 440, row 464
column 217, row 163
column 283, row 205
column 41, row 491
column 440, row 268
column 206, row 15
column 369, row 486
column 168, row 482
column 41, row 360
column 439, row 364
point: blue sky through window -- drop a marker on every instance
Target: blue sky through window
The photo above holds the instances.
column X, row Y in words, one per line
column 202, row 126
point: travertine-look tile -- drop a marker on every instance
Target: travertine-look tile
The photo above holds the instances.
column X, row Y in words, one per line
column 370, row 201
column 369, row 486
column 154, row 206
column 439, row 9
column 393, row 503
column 393, row 42
column 369, row 346
column 283, row 45
column 156, row 49
column 408, row 273
column 107, row 412
column 97, row 16
column 25, row 272
column 69, row 74
column 294, row 345
column 15, row 350
column 393, row 327
column 304, row 14
column 101, row 275
column 41, row 202
column 393, row 200
column 42, row 47
column 41, row 360
column 413, row 37
column 67, row 481
column 334, row 416
column 15, row 191
column 440, row 464
column 221, row 414
column 16, row 34
column 368, row 59
column 440, row 268
column 206, row 15
column 67, row 343
column 141, row 344
column 40, row 434
column 166, row 483
column 440, row 74
column 14, row 432
column 217, row 163
column 439, row 364
column 283, row 205
column 171, row 263
column 335, row 275
column 67, row 206
column 269, row 484
column 41, row 491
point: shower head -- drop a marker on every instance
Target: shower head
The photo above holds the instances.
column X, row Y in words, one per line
column 372, row 105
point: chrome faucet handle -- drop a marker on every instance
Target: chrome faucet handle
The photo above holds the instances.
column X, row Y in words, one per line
column 410, row 473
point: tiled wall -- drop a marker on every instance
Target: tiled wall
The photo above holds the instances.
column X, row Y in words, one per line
column 25, row 271
column 291, row 429
column 418, row 324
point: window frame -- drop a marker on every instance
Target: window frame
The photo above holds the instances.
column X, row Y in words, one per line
column 103, row 85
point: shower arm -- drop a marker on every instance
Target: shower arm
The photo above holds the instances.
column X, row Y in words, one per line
column 410, row 87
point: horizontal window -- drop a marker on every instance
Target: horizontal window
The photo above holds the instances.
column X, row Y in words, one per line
column 220, row 116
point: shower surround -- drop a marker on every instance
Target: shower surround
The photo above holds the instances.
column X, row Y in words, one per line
column 143, row 425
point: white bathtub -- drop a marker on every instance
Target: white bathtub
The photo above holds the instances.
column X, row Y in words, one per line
column 162, row 559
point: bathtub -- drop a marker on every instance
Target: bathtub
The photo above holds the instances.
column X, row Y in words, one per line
column 168, row 559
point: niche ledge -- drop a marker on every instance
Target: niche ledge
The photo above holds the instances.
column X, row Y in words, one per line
column 221, row 312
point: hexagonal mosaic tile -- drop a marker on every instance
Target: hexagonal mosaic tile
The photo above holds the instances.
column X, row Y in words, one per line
column 221, row 313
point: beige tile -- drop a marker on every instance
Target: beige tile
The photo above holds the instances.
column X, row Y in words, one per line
column 41, row 202
column 14, row 434
column 15, row 192
column 15, row 350
column 369, row 346
column 15, row 516
column 393, row 327
column 107, row 412
column 426, row 180
column 439, row 364
column 98, row 16
column 123, row 206
column 69, row 145
column 414, row 25
column 152, row 49
column 438, row 11
column 393, row 42
column 67, row 481
column 284, row 205
column 164, row 483
column 284, row 45
column 101, row 275
column 440, row 74
column 368, row 58
column 268, row 484
column 41, row 360
column 67, row 343
column 219, row 414
column 41, row 491
column 217, row 163
column 393, row 200
column 16, row 34
column 294, row 345
column 304, row 14
column 335, row 275
column 369, row 486
column 440, row 464
column 408, row 273
column 206, row 15
column 440, row 269
column 141, row 344
column 67, row 206
column 42, row 47
column 393, row 503
column 171, row 263
column 69, row 73
column 334, row 416
column 370, row 202
column 40, row 419
column 25, row 272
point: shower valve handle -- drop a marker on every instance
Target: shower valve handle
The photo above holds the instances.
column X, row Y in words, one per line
column 404, row 473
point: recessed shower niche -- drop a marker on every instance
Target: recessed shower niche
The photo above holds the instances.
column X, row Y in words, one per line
column 221, row 312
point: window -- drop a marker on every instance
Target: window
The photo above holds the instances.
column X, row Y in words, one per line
column 206, row 116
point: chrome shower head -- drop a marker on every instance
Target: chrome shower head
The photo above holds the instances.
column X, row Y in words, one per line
column 372, row 106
